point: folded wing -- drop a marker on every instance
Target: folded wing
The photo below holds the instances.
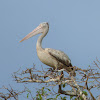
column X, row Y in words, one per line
column 60, row 56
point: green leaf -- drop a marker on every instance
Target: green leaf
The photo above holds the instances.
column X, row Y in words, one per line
column 84, row 92
column 64, row 98
column 27, row 95
column 63, row 85
column 42, row 88
column 38, row 92
column 75, row 99
column 50, row 99
column 40, row 97
column 48, row 89
column 71, row 97
column 57, row 96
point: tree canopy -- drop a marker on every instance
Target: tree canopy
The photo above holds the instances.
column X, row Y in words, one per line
column 79, row 87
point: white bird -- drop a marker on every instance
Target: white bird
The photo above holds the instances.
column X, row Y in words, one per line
column 51, row 57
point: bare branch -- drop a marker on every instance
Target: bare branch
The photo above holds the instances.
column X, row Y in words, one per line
column 85, row 80
column 11, row 93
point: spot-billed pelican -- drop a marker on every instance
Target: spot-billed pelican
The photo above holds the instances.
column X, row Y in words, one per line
column 51, row 57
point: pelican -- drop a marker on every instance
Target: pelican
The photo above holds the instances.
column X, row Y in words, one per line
column 51, row 57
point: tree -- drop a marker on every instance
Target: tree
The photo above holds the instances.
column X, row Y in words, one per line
column 77, row 88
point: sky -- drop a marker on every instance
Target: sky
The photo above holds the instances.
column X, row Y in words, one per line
column 74, row 29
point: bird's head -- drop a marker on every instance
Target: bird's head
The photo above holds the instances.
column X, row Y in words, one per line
column 42, row 28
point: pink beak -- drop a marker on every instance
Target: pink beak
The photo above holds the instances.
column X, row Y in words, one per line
column 33, row 33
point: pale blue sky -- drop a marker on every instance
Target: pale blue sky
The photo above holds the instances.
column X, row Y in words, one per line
column 74, row 29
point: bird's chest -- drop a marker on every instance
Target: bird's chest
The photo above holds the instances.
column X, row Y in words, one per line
column 46, row 58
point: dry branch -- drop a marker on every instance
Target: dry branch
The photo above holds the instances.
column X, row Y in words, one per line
column 54, row 78
column 85, row 80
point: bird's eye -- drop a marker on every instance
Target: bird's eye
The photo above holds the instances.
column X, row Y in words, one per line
column 44, row 24
column 47, row 23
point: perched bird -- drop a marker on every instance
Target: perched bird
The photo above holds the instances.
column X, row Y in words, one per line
column 51, row 57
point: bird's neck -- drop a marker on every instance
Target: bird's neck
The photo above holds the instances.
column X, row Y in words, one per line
column 39, row 42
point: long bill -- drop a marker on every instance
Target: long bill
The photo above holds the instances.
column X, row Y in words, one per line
column 33, row 33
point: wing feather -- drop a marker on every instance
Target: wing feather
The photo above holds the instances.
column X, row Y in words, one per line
column 60, row 56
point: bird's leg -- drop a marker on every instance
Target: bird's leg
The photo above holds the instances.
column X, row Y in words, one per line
column 60, row 86
column 59, row 70
column 56, row 68
column 62, row 74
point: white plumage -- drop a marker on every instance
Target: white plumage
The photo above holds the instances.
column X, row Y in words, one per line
column 51, row 57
